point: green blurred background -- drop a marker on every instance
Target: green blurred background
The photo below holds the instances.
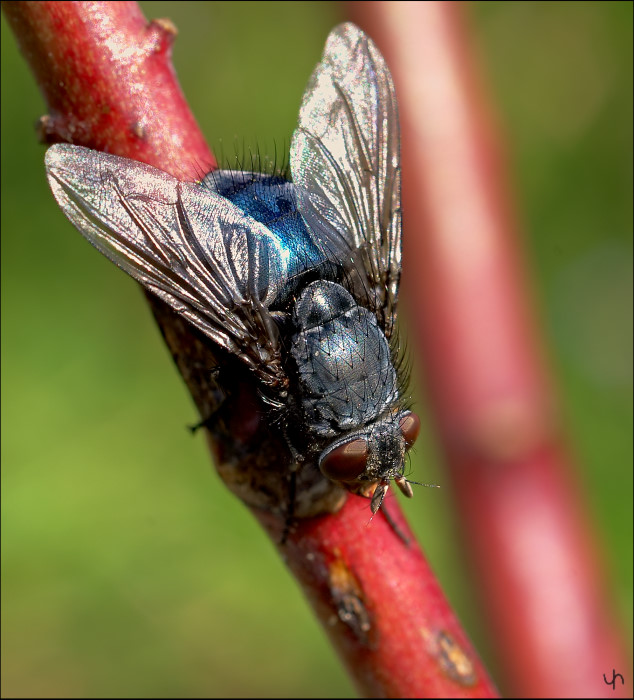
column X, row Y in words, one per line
column 127, row 568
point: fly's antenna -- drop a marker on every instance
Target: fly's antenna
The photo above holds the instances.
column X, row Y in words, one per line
column 419, row 483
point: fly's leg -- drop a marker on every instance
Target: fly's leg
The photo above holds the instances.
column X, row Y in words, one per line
column 376, row 492
column 290, row 506
column 397, row 530
column 296, row 463
column 208, row 420
column 205, row 423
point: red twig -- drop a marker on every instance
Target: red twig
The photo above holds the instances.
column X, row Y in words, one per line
column 107, row 78
column 524, row 522
column 108, row 81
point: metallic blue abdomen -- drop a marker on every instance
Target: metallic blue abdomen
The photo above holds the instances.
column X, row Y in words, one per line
column 270, row 200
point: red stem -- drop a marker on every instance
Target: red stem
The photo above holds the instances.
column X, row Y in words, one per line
column 108, row 81
column 106, row 76
column 524, row 522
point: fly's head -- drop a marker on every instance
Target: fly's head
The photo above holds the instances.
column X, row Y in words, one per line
column 365, row 461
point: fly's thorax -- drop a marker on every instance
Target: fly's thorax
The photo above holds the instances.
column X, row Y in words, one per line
column 346, row 377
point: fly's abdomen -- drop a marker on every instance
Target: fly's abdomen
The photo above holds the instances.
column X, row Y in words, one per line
column 271, row 200
column 343, row 361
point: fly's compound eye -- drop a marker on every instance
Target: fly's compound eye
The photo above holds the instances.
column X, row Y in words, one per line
column 410, row 427
column 346, row 462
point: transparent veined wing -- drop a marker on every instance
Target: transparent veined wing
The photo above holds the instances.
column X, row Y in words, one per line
column 198, row 252
column 345, row 164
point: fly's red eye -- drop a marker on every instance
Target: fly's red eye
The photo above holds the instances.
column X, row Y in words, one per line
column 346, row 462
column 410, row 427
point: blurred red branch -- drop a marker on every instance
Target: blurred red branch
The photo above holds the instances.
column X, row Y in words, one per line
column 108, row 81
column 524, row 522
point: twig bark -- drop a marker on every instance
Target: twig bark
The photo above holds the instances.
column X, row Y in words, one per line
column 107, row 79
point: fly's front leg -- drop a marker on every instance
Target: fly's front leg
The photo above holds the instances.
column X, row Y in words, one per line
column 209, row 419
column 297, row 460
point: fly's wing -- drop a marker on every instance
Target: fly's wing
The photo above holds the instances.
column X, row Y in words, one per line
column 213, row 264
column 345, row 165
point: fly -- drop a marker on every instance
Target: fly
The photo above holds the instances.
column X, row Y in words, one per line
column 296, row 279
